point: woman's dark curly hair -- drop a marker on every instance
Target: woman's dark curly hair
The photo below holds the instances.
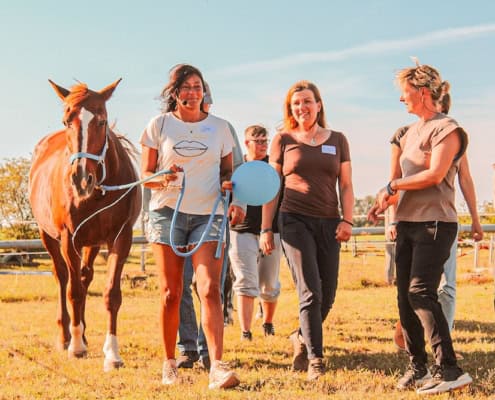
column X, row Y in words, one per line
column 178, row 74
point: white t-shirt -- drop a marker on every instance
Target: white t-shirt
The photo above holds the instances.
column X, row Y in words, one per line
column 197, row 147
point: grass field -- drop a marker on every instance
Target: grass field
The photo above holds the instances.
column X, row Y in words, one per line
column 359, row 352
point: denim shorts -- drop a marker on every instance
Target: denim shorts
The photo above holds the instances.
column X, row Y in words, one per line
column 187, row 231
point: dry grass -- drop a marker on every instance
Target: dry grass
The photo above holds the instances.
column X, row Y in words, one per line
column 362, row 360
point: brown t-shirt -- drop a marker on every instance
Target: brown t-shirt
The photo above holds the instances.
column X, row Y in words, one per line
column 437, row 202
column 310, row 173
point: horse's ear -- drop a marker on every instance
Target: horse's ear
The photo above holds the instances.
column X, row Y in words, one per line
column 61, row 92
column 106, row 92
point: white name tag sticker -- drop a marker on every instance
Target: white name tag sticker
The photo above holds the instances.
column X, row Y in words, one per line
column 326, row 149
column 206, row 129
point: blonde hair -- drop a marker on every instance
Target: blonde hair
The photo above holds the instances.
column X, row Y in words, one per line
column 445, row 100
column 424, row 76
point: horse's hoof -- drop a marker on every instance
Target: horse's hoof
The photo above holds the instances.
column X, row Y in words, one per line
column 110, row 365
column 79, row 354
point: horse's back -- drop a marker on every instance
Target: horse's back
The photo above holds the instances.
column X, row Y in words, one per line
column 45, row 181
column 46, row 152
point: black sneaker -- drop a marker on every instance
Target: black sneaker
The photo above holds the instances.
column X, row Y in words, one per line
column 247, row 336
column 415, row 375
column 187, row 359
column 268, row 329
column 445, row 378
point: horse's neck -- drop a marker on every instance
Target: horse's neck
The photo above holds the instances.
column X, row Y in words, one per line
column 118, row 161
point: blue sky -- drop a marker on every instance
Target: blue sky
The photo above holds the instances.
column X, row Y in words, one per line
column 251, row 52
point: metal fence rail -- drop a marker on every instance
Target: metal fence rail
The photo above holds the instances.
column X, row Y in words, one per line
column 36, row 244
column 23, row 247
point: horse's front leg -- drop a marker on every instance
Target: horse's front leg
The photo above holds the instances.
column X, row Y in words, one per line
column 62, row 276
column 87, row 272
column 75, row 294
column 118, row 252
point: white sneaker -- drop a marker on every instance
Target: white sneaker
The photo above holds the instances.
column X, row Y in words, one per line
column 415, row 376
column 445, row 379
column 221, row 376
column 170, row 374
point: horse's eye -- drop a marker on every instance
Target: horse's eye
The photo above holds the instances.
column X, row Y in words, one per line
column 102, row 122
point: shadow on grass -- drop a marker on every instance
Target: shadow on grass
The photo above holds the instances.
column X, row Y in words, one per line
column 475, row 326
column 481, row 363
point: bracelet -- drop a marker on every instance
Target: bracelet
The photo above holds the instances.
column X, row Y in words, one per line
column 390, row 191
column 347, row 222
column 393, row 223
column 266, row 230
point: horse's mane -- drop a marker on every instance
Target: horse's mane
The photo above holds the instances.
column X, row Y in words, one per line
column 78, row 93
column 128, row 147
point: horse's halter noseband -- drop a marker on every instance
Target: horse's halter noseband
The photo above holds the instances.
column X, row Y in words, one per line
column 100, row 159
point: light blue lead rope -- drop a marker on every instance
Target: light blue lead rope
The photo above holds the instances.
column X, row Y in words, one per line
column 226, row 200
column 105, row 188
column 208, row 225
column 224, row 225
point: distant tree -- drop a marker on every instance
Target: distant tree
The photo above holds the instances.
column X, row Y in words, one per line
column 361, row 207
column 15, row 210
column 486, row 212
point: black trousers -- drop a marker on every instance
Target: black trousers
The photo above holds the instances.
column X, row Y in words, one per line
column 313, row 256
column 421, row 251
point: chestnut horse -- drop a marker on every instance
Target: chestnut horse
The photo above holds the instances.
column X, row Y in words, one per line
column 76, row 216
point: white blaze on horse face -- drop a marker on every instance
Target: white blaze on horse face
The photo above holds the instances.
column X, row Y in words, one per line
column 85, row 116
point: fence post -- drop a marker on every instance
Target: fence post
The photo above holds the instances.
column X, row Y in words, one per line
column 143, row 248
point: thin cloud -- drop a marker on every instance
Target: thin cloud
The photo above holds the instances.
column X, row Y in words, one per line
column 374, row 47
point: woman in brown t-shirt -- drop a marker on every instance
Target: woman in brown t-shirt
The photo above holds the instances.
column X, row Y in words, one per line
column 312, row 160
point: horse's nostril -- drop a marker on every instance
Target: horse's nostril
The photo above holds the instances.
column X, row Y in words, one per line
column 90, row 180
column 73, row 179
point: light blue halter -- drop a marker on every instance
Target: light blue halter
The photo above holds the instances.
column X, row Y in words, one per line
column 99, row 159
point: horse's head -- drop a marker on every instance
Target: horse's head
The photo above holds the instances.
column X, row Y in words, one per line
column 85, row 119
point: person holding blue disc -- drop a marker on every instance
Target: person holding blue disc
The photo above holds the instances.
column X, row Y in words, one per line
column 256, row 275
column 188, row 140
column 315, row 164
